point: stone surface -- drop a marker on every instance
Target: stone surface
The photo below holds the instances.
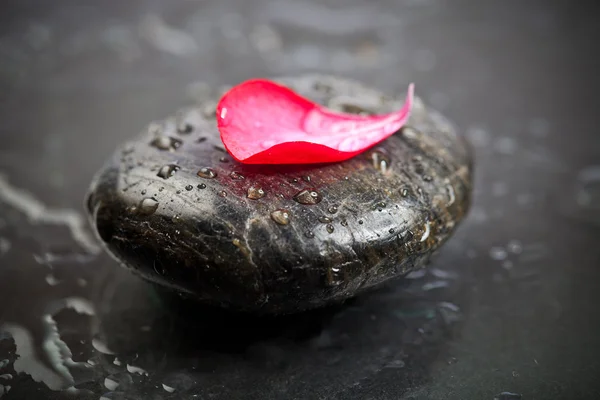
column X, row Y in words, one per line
column 174, row 207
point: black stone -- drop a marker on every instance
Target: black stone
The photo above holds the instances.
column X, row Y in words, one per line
column 387, row 209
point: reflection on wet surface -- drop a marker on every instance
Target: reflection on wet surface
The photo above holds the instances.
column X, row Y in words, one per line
column 504, row 309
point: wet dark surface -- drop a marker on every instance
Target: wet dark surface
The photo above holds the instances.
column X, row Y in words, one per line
column 508, row 305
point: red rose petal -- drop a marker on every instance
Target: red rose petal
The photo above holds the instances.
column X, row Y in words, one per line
column 262, row 122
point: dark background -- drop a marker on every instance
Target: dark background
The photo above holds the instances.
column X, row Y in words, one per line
column 508, row 305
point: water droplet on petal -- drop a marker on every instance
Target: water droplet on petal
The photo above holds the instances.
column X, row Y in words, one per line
column 281, row 216
column 207, row 173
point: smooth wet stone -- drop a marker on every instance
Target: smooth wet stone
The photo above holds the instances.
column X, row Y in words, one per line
column 176, row 209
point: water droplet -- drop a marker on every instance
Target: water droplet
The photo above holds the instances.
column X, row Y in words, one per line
column 236, row 176
column 329, row 228
column 281, row 216
column 207, row 173
column 147, row 206
column 308, row 197
column 136, row 370
column 309, row 234
column 344, row 223
column 380, row 160
column 143, row 192
column 223, row 193
column 183, row 125
column 498, row 253
column 202, row 186
column 380, row 205
column 178, row 192
column 166, row 143
column 360, row 222
column 332, row 209
column 334, row 276
column 391, row 230
column 160, row 189
column 325, row 220
column 189, row 187
column 201, row 139
column 166, row 387
column 306, row 178
column 167, row 171
column 508, row 396
column 223, row 159
column 427, row 178
column 255, row 193
column 121, row 380
column 514, row 246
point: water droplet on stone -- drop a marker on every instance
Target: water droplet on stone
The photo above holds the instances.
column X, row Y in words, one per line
column 281, row 216
column 306, row 178
column 178, row 192
column 427, row 178
column 189, row 187
column 380, row 160
column 308, row 197
column 514, row 246
column 329, row 228
column 223, row 193
column 334, row 276
column 498, row 253
column 202, row 186
column 508, row 396
column 344, row 223
column 309, row 234
column 143, row 192
column 325, row 220
column 391, row 230
column 360, row 222
column 223, row 159
column 207, row 173
column 167, row 171
column 147, row 206
column 160, row 189
column 236, row 176
column 255, row 193
column 332, row 209
column 166, row 143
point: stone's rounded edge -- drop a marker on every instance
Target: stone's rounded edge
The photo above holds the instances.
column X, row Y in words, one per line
column 194, row 257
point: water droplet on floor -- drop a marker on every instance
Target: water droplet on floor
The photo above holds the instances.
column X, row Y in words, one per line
column 325, row 220
column 498, row 253
column 147, row 206
column 167, row 171
column 330, row 228
column 308, row 197
column 207, row 173
column 281, row 216
column 255, row 193
column 202, row 186
column 309, row 234
column 166, row 143
column 236, row 176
